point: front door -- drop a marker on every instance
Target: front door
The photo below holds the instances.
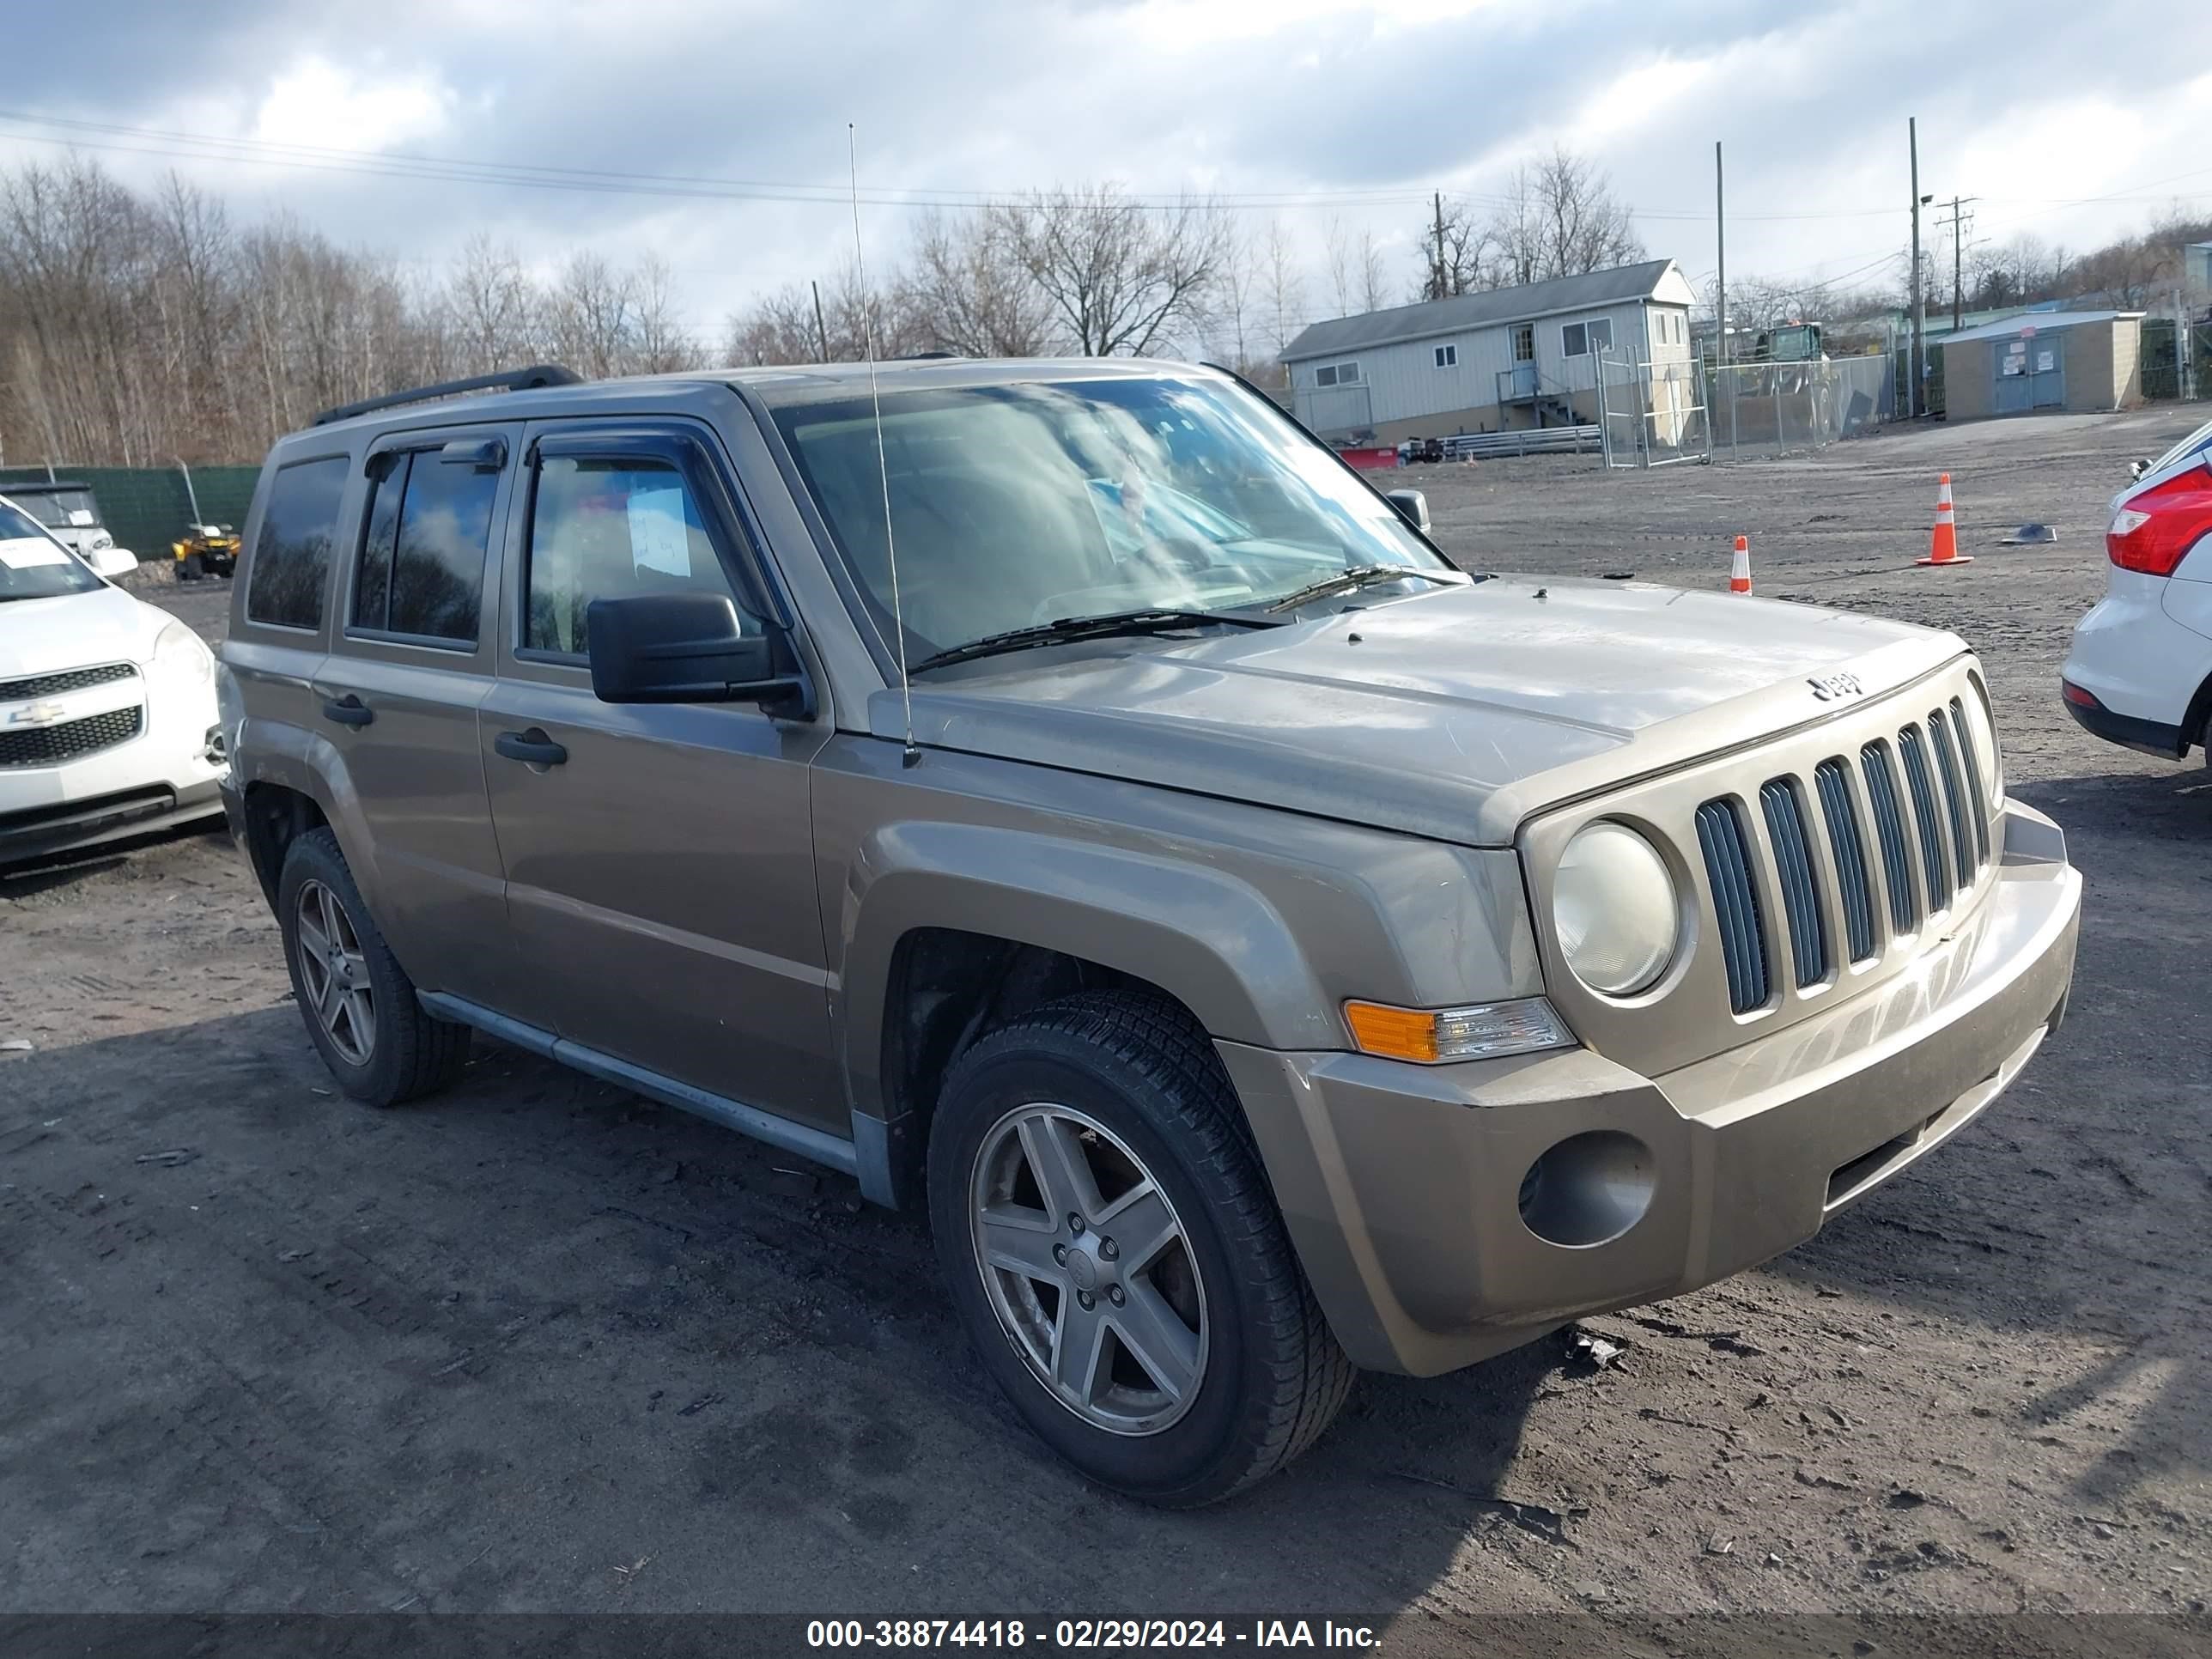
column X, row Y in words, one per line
column 410, row 660
column 659, row 859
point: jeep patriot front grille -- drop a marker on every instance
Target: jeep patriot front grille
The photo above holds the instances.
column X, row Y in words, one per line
column 1815, row 865
column 1947, row 824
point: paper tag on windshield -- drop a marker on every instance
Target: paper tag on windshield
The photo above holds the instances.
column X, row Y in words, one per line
column 658, row 539
column 27, row 555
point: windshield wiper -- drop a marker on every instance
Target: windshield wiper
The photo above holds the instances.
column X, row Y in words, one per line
column 1085, row 627
column 1355, row 576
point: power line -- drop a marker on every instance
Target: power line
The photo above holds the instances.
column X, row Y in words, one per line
column 175, row 144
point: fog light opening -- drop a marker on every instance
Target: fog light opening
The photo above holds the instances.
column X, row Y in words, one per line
column 1587, row 1190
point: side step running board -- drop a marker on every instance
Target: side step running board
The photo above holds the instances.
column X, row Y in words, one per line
column 814, row 1145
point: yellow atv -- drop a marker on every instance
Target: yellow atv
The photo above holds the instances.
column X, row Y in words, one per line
column 207, row 550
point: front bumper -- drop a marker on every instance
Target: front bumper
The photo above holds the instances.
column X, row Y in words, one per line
column 72, row 825
column 1403, row 1185
column 166, row 775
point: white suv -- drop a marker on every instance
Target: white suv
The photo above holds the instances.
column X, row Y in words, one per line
column 107, row 709
column 2141, row 670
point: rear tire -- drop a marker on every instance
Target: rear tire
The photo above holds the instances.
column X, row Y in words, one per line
column 195, row 567
column 1179, row 1413
column 357, row 1002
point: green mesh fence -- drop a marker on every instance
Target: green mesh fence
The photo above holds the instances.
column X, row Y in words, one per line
column 146, row 508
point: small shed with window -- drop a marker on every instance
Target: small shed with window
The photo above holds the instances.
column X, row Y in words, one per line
column 1492, row 361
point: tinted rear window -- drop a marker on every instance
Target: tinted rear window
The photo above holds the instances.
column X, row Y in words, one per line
column 292, row 555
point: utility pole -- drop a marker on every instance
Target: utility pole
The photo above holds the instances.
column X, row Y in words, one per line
column 821, row 333
column 2185, row 352
column 1720, row 258
column 1720, row 306
column 1957, row 255
column 1442, row 285
column 1918, row 403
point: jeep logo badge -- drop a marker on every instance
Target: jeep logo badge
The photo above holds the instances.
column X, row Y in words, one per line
column 1830, row 687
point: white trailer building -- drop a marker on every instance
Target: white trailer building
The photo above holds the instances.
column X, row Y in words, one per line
column 1495, row 361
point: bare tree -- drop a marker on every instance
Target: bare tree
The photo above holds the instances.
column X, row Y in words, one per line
column 493, row 303
column 1373, row 295
column 659, row 344
column 590, row 319
column 1585, row 228
column 1237, row 296
column 1285, row 286
column 776, row 328
column 1119, row 276
column 1557, row 217
column 1340, row 278
column 1454, row 251
column 969, row 290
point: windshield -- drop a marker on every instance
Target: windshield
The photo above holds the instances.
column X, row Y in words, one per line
column 33, row 565
column 1016, row 505
column 52, row 508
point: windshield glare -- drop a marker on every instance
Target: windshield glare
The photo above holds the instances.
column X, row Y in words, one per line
column 1018, row 505
column 33, row 565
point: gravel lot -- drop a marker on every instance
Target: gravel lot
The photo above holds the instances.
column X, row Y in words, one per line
column 539, row 1345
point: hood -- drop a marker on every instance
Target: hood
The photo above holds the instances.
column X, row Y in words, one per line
column 76, row 630
column 1453, row 713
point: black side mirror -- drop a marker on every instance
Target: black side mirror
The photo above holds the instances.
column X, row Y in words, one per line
column 2136, row 469
column 1412, row 507
column 688, row 647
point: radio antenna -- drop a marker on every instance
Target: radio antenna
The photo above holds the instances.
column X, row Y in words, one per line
column 912, row 755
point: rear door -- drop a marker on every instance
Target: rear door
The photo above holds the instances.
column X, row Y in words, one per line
column 410, row 661
column 659, row 858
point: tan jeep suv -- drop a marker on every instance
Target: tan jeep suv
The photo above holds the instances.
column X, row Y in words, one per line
column 1065, row 798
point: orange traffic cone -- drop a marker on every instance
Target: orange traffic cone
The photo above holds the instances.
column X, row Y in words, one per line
column 1740, row 569
column 1943, row 545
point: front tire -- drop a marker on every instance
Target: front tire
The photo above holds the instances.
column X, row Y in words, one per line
column 194, row 569
column 1111, row 1243
column 358, row 1004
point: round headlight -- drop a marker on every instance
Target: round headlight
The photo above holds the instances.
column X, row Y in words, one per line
column 1614, row 909
column 179, row 652
column 1984, row 738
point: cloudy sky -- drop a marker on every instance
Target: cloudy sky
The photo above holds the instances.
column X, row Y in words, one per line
column 2065, row 122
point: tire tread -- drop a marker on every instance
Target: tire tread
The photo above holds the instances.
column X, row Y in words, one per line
column 1303, row 1375
column 426, row 1054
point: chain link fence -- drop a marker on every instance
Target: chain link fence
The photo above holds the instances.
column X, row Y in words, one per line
column 1652, row 414
column 2168, row 374
column 1767, row 408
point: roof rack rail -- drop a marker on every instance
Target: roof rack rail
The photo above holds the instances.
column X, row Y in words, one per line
column 924, row 357
column 508, row 380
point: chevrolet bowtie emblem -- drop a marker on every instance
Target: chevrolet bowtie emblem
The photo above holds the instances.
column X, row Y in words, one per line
column 38, row 714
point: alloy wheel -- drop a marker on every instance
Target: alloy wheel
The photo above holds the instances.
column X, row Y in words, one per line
column 1089, row 1269
column 334, row 972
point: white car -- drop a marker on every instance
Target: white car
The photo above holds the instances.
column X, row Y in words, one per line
column 108, row 709
column 2141, row 670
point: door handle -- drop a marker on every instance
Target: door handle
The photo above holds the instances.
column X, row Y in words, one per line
column 348, row 710
column 532, row 748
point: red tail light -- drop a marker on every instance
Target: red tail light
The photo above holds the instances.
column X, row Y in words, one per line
column 2155, row 528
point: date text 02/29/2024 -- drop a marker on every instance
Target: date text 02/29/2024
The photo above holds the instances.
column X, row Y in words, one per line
column 1087, row 1635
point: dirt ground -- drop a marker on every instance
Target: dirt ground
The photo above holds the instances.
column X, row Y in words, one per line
column 540, row 1345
